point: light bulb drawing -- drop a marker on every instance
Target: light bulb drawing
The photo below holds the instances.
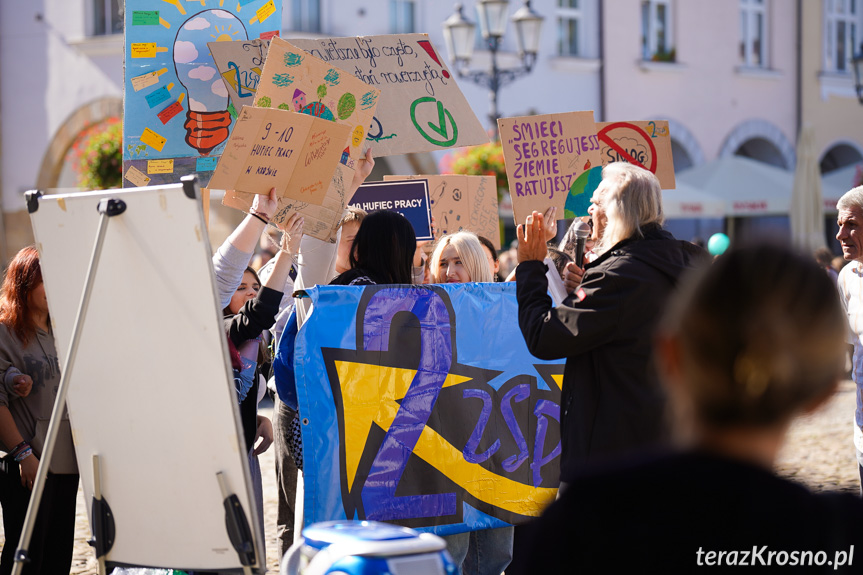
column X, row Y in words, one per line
column 208, row 121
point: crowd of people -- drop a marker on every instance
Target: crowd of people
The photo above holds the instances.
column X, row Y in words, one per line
column 682, row 375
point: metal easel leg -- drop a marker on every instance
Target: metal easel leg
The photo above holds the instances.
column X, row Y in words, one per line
column 107, row 208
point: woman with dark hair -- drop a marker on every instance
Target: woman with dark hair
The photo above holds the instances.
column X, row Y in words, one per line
column 29, row 378
column 250, row 312
column 382, row 253
column 739, row 365
column 491, row 255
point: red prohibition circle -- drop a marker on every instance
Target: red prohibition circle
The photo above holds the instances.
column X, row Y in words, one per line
column 603, row 136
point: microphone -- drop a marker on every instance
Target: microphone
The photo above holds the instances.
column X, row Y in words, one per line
column 582, row 231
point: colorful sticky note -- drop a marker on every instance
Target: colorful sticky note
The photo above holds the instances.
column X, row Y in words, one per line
column 147, row 80
column 153, row 139
column 145, row 18
column 137, row 177
column 269, row 35
column 169, row 112
column 158, row 96
column 145, row 50
column 207, row 164
column 264, row 12
column 160, row 166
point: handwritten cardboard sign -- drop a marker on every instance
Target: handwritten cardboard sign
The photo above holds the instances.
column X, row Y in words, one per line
column 294, row 80
column 645, row 144
column 321, row 221
column 176, row 104
column 421, row 108
column 295, row 153
column 462, row 203
column 409, row 198
column 240, row 64
column 545, row 157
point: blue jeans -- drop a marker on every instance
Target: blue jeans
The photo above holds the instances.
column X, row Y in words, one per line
column 485, row 552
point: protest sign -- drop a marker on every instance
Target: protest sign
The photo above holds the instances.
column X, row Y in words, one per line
column 175, row 102
column 545, row 156
column 321, row 221
column 409, row 198
column 294, row 80
column 421, row 108
column 240, row 64
column 459, row 203
column 295, row 153
column 645, row 144
column 421, row 408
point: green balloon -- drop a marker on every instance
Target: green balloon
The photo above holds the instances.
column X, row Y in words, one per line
column 717, row 244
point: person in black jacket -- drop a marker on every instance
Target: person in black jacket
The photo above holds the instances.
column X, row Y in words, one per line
column 757, row 341
column 611, row 404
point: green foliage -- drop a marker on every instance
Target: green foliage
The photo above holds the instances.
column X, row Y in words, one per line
column 99, row 156
column 322, row 91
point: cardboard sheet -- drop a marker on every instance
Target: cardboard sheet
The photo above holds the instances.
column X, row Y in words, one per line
column 421, row 109
column 645, row 144
column 295, row 153
column 546, row 157
column 462, row 203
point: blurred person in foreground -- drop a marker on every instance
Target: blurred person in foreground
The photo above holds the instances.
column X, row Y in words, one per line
column 612, row 404
column 739, row 364
column 29, row 379
column 850, row 284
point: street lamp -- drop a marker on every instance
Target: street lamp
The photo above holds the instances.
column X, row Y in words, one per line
column 459, row 36
column 858, row 73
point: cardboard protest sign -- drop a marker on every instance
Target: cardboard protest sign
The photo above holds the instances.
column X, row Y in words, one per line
column 645, row 144
column 420, row 367
column 548, row 158
column 421, row 108
column 462, row 203
column 240, row 64
column 295, row 153
column 294, row 80
column 321, row 221
column 410, row 198
column 175, row 102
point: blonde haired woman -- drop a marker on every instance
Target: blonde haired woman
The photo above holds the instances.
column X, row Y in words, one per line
column 459, row 258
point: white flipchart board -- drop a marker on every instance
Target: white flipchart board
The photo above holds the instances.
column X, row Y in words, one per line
column 151, row 390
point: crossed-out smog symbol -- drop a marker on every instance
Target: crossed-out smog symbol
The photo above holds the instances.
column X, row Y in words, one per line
column 440, row 128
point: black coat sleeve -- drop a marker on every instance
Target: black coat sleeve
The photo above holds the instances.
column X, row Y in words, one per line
column 587, row 319
column 255, row 316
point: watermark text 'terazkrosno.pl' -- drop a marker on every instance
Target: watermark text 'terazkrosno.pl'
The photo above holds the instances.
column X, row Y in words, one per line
column 764, row 556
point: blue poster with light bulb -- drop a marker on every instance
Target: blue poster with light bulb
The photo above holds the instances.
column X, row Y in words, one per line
column 177, row 112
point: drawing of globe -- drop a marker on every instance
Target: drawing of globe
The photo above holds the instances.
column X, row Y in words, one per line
column 581, row 191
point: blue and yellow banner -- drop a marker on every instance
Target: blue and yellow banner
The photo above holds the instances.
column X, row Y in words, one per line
column 421, row 406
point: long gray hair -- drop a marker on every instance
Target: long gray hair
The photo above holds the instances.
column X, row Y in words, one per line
column 631, row 199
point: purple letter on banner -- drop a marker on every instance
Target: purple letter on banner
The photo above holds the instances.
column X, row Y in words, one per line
column 379, row 492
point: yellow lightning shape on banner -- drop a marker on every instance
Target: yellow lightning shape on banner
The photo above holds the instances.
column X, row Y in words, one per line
column 370, row 403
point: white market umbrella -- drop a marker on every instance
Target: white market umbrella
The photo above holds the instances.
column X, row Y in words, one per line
column 686, row 201
column 807, row 211
column 834, row 185
column 749, row 187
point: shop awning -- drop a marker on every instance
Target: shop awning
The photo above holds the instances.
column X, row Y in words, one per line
column 688, row 202
column 834, row 184
column 748, row 187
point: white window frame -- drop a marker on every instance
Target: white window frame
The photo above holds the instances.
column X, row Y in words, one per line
column 839, row 13
column 749, row 12
column 109, row 24
column 650, row 28
column 565, row 15
column 397, row 16
column 302, row 22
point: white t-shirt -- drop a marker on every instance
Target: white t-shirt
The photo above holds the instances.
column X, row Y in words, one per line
column 850, row 286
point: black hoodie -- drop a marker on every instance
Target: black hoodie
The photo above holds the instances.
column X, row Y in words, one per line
column 612, row 403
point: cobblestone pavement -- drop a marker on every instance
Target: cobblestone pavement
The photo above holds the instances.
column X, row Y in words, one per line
column 819, row 453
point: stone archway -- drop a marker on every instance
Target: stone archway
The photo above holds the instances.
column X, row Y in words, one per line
column 840, row 154
column 754, row 137
column 685, row 146
column 82, row 118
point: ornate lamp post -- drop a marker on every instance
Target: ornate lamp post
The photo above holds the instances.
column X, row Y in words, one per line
column 459, row 33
